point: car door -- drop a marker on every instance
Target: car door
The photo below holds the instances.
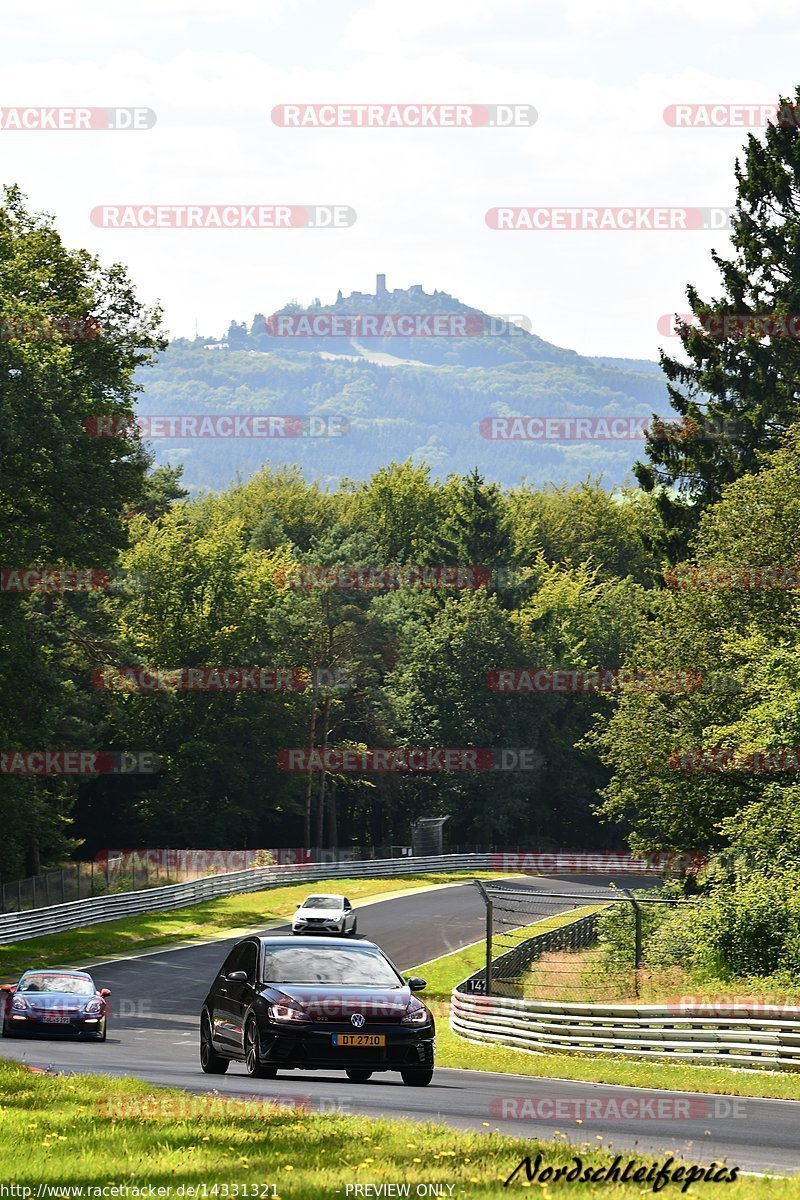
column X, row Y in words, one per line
column 237, row 994
column 221, row 1016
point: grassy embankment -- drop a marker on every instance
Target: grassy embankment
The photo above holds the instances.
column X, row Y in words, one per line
column 91, row 1131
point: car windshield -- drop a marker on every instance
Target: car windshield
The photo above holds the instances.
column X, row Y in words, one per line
column 345, row 966
column 322, row 902
column 73, row 985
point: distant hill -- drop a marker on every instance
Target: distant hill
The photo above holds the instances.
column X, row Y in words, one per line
column 398, row 395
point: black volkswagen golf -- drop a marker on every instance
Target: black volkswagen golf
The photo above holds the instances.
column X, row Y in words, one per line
column 314, row 1004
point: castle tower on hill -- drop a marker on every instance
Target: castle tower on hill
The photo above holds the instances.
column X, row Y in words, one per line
column 380, row 285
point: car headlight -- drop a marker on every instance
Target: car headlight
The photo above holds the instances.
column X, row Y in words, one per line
column 94, row 1006
column 416, row 1014
column 288, row 1013
column 19, row 1003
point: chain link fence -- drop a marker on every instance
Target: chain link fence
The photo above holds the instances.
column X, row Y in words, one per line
column 79, row 881
column 132, row 871
column 578, row 944
column 116, row 871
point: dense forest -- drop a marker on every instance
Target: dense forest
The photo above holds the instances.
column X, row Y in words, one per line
column 623, row 663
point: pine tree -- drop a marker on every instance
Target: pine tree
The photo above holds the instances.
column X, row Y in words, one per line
column 738, row 393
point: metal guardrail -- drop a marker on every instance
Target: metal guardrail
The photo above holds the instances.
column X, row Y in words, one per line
column 17, row 927
column 139, row 870
column 660, row 1031
column 646, row 1031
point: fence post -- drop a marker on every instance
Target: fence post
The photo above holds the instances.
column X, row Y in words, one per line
column 487, row 901
column 637, row 945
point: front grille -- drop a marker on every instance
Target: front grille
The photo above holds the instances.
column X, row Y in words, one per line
column 343, row 1056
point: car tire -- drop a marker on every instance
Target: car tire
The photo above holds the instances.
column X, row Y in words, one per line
column 254, row 1067
column 358, row 1074
column 416, row 1076
column 101, row 1035
column 211, row 1062
column 354, row 930
column 7, row 1030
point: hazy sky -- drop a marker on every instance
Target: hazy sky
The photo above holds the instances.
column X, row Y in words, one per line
column 599, row 72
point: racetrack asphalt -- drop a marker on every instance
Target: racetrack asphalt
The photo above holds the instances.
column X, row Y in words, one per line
column 153, row 1034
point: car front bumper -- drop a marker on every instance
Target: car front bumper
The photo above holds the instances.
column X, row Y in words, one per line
column 328, row 928
column 78, row 1025
column 312, row 1047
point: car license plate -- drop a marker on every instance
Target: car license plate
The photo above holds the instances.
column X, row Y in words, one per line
column 55, row 1019
column 359, row 1039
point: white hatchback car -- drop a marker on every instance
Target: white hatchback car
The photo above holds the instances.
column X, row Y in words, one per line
column 325, row 914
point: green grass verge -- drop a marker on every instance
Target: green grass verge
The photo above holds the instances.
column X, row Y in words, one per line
column 198, row 922
column 92, row 1131
column 453, row 1051
column 444, row 973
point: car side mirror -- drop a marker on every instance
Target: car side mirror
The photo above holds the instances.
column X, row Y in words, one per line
column 416, row 984
column 237, row 977
column 105, row 991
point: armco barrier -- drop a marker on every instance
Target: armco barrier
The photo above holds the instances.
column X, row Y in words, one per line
column 640, row 1031
column 16, row 927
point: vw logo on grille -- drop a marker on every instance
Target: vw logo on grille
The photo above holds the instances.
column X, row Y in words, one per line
column 358, row 1020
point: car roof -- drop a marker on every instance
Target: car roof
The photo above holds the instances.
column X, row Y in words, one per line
column 55, row 971
column 327, row 895
column 336, row 942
